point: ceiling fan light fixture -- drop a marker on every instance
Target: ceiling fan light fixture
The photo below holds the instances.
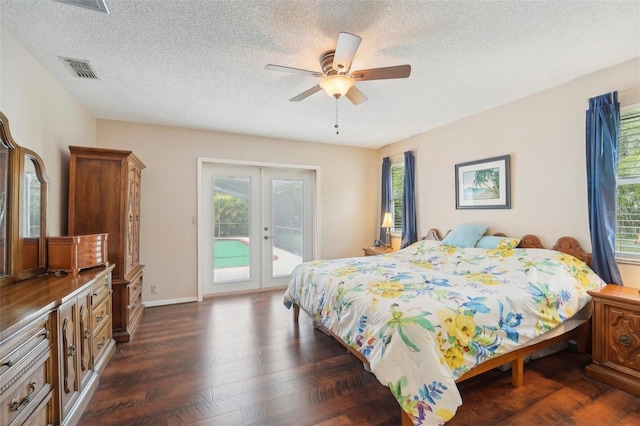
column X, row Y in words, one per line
column 336, row 85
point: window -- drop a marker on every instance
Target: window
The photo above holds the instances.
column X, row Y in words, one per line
column 397, row 190
column 628, row 188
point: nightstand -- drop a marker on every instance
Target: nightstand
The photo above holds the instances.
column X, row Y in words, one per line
column 616, row 338
column 376, row 251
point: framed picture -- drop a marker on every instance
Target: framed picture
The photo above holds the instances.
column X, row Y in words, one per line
column 484, row 184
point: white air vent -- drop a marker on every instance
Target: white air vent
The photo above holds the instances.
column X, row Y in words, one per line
column 97, row 5
column 79, row 68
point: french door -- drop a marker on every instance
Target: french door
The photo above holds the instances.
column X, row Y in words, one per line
column 256, row 225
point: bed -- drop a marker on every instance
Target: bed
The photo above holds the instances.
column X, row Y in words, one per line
column 431, row 315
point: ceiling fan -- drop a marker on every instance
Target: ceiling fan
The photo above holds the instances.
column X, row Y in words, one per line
column 336, row 79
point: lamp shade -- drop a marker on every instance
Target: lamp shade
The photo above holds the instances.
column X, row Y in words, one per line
column 387, row 221
column 336, row 85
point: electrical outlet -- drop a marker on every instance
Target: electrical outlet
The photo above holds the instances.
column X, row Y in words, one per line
column 154, row 289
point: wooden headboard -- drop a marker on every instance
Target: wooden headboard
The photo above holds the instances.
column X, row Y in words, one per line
column 568, row 245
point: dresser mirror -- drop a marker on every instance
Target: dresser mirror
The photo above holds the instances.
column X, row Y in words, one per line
column 32, row 215
column 23, row 210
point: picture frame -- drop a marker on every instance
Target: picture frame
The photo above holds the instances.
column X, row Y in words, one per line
column 484, row 184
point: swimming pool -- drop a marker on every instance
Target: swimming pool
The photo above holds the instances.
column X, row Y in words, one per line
column 230, row 253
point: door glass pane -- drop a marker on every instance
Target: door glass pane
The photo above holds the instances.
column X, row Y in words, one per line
column 231, row 217
column 287, row 219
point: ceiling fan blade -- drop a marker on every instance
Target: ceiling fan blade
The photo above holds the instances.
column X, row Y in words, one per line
column 356, row 96
column 398, row 71
column 306, row 94
column 345, row 51
column 280, row 68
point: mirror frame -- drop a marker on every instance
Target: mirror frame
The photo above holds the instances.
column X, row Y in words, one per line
column 7, row 141
column 16, row 157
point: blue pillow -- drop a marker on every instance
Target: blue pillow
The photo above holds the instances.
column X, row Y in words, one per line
column 489, row 242
column 466, row 235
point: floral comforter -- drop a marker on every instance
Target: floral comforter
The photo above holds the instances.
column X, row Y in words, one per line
column 426, row 315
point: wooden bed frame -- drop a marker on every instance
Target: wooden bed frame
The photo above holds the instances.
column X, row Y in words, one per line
column 581, row 333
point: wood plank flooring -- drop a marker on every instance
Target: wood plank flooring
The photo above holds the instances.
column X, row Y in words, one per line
column 241, row 360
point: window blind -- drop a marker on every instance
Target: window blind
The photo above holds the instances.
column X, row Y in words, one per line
column 628, row 191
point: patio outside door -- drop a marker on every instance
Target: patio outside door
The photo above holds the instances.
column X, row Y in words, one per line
column 258, row 225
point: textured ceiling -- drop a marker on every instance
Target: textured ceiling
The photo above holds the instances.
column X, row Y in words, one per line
column 200, row 64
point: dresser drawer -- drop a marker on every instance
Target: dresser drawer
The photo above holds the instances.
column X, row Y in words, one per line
column 135, row 308
column 101, row 341
column 101, row 288
column 40, row 416
column 16, row 348
column 23, row 397
column 622, row 331
column 616, row 338
column 101, row 314
column 135, row 290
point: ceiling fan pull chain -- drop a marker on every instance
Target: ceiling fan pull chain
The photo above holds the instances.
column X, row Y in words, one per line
column 336, row 126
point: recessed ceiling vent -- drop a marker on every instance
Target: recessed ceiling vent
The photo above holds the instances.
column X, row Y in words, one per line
column 79, row 68
column 97, row 5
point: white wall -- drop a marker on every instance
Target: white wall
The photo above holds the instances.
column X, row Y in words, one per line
column 544, row 134
column 168, row 197
column 44, row 117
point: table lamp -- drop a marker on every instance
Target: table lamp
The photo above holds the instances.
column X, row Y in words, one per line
column 387, row 222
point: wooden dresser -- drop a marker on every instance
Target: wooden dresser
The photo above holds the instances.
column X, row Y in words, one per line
column 616, row 338
column 104, row 197
column 55, row 330
column 55, row 341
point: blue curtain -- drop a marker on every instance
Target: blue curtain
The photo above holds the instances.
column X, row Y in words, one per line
column 603, row 140
column 409, row 226
column 386, row 194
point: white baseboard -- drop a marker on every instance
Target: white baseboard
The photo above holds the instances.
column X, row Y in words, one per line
column 169, row 301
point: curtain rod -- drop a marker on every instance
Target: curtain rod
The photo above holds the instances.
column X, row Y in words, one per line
column 623, row 90
column 401, row 154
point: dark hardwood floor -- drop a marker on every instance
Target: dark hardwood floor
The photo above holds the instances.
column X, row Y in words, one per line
column 241, row 360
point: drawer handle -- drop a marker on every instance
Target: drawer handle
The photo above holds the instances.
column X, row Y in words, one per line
column 45, row 334
column 71, row 351
column 624, row 340
column 65, row 364
column 100, row 317
column 102, row 343
column 86, row 335
column 7, row 363
column 85, row 331
column 17, row 404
